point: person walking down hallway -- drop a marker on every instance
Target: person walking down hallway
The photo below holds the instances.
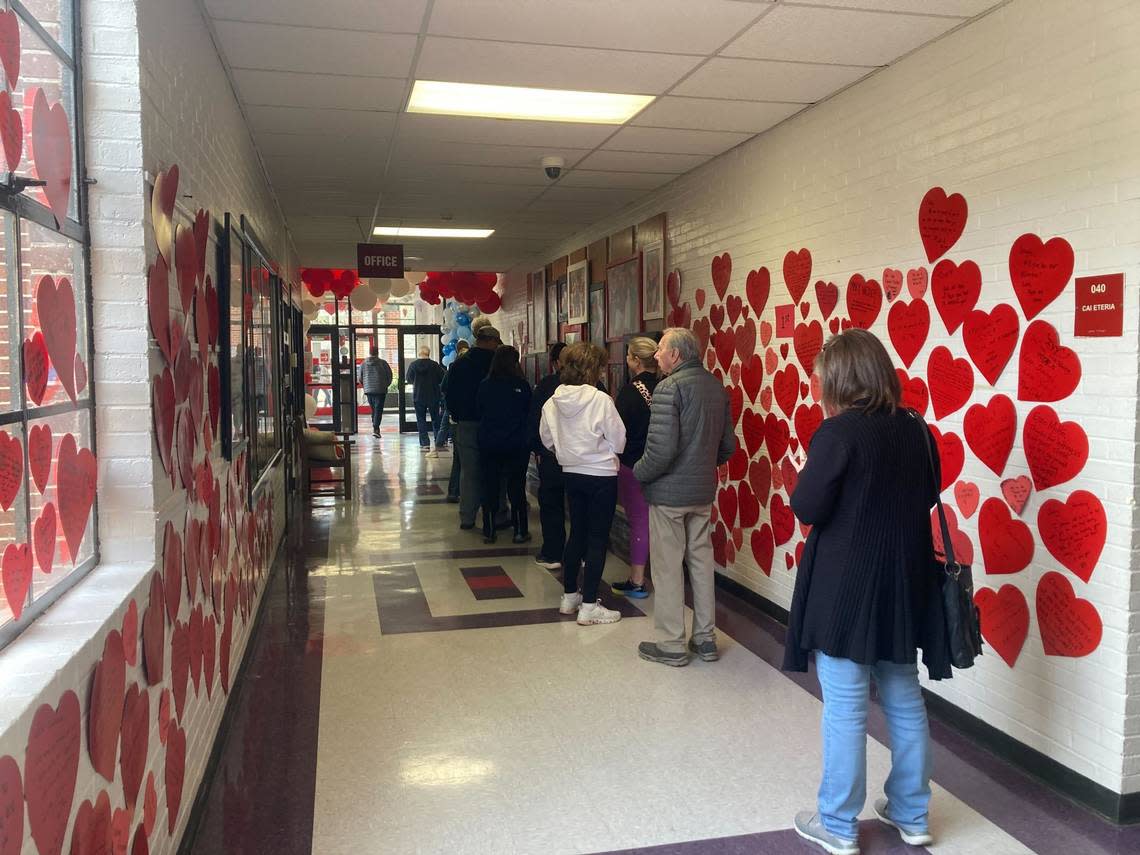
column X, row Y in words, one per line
column 690, row 435
column 449, row 425
column 503, row 403
column 581, row 425
column 426, row 376
column 375, row 375
column 551, row 490
column 862, row 592
column 633, row 403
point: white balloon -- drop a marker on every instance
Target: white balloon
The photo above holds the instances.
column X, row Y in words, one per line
column 310, row 406
column 413, row 280
column 382, row 288
column 362, row 299
column 400, row 287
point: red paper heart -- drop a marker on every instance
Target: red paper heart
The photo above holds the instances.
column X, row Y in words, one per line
column 11, row 807
column 162, row 211
column 752, row 428
column 790, row 475
column 864, row 300
column 808, row 342
column 745, row 338
column 749, row 506
column 172, row 570
column 736, row 403
column 752, row 376
column 833, row 325
column 201, row 241
column 726, row 502
column 908, row 325
column 16, row 575
column 212, row 310
column 36, row 367
column 915, row 395
column 797, row 273
column 39, row 455
column 179, row 667
column 55, row 304
column 807, row 421
column 163, row 407
column 154, row 632
column 51, row 153
column 951, row 453
column 11, row 127
column 195, row 391
column 1004, row 617
column 760, row 479
column 789, row 562
column 175, row 773
column 1074, row 531
column 717, row 315
column 80, row 375
column 699, row 296
column 158, row 306
column 941, row 220
column 105, row 706
column 92, row 830
column 990, row 431
column 766, row 398
column 721, row 273
column 1039, row 271
column 178, row 341
column 815, row 386
column 44, row 537
column 951, row 382
column 967, row 495
column 187, row 440
column 784, row 350
column 131, row 634
column 1016, row 492
column 702, row 332
column 11, row 469
column 195, row 632
column 1007, row 542
column 190, row 543
column 757, row 288
column 150, row 805
column 734, row 305
column 224, row 644
column 827, row 297
column 10, row 57
column 763, row 548
column 1055, row 451
column 786, row 389
column 209, row 652
column 1047, row 371
column 916, row 282
column 956, row 290
column 892, row 283
column 121, row 831
column 1069, row 626
column 719, row 545
column 75, row 490
column 164, row 716
column 681, row 316
column 783, row 521
column 963, row 549
column 724, row 343
column 771, row 361
column 51, row 763
column 776, row 436
column 765, row 333
column 990, row 339
column 202, row 322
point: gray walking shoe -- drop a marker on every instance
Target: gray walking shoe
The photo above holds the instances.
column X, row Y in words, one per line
column 650, row 651
column 909, row 834
column 706, row 650
column 809, row 827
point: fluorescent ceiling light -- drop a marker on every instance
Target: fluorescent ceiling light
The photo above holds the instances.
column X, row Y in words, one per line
column 414, row 231
column 517, row 102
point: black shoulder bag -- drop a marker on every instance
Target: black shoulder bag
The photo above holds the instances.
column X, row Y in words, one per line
column 963, row 628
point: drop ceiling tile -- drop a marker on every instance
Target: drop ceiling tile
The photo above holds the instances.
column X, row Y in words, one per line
column 592, row 196
column 335, row 91
column 529, row 176
column 714, row 114
column 520, row 64
column 417, row 153
column 839, row 36
column 665, row 26
column 959, row 8
column 767, row 80
column 640, row 161
column 633, row 180
column 373, row 125
column 672, row 141
column 322, row 51
column 315, row 149
column 394, row 16
column 475, row 131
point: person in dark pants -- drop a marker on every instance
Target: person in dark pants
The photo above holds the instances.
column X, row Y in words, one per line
column 375, row 376
column 426, row 375
column 551, row 492
column 452, row 482
column 502, row 404
column 581, row 425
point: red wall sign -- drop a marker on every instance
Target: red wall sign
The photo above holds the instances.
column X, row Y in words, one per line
column 380, row 260
column 785, row 321
column 1100, row 305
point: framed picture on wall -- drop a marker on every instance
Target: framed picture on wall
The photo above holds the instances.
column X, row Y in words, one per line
column 623, row 292
column 563, row 299
column 653, row 282
column 551, row 313
column 572, row 334
column 537, row 319
column 598, row 316
column 528, row 333
column 578, row 287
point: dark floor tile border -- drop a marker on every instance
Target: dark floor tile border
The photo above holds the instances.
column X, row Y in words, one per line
column 874, row 839
column 1029, row 803
column 401, row 557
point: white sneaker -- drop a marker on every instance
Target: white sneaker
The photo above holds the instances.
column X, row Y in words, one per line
column 913, row 836
column 570, row 603
column 591, row 613
column 433, row 455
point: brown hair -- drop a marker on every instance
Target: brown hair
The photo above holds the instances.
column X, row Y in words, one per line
column 582, row 364
column 855, row 371
column 505, row 364
column 643, row 348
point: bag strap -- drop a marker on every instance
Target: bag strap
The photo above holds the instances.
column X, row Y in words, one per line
column 928, row 441
column 644, row 392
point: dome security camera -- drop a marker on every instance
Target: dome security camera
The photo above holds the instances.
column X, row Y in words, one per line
column 552, row 166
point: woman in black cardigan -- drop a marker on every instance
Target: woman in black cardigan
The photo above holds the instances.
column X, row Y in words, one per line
column 861, row 595
column 502, row 403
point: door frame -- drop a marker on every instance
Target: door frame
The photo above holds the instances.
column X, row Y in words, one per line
column 406, row 425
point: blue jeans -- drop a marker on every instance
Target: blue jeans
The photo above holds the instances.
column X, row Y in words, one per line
column 843, row 790
column 443, row 432
column 376, row 402
column 427, row 420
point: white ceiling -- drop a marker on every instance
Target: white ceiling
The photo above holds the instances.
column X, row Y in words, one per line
column 323, row 84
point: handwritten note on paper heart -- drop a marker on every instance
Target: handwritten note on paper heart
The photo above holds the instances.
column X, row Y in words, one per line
column 951, row 454
column 51, row 763
column 917, row 280
column 808, row 342
column 959, row 540
column 44, row 537
column 786, row 388
column 763, row 548
column 10, row 50
column 721, row 273
column 797, row 273
column 1069, row 626
column 1039, row 271
column 11, row 132
column 827, row 297
column 75, row 485
column 941, row 221
column 55, row 303
column 807, row 421
column 908, row 325
column 1046, row 370
column 892, row 283
column 1074, row 531
column 990, row 431
column 915, row 395
column 951, row 381
column 990, row 339
column 1016, row 492
column 955, row 289
column 744, row 337
column 864, row 300
column 16, row 576
column 51, row 151
column 967, row 495
column 1004, row 617
column 1056, row 451
column 105, row 706
column 11, row 469
column 1007, row 542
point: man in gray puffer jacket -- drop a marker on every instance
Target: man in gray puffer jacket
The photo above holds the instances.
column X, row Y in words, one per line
column 690, row 435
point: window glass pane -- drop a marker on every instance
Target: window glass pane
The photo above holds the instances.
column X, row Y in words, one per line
column 263, row 368
column 13, row 521
column 55, row 16
column 11, row 397
column 237, row 345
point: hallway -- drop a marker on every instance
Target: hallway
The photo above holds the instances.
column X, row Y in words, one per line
column 398, row 712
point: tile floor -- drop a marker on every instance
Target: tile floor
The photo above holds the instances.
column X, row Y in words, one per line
column 386, row 709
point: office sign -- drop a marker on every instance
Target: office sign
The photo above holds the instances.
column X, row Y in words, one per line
column 380, row 260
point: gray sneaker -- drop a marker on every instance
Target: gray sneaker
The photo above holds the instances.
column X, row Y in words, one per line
column 650, row 651
column 706, row 650
column 809, row 827
column 910, row 834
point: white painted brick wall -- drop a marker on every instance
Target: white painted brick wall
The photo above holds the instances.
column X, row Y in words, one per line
column 1032, row 113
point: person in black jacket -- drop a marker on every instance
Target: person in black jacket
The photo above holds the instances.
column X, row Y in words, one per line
column 502, row 403
column 551, row 489
column 861, row 595
column 426, row 375
column 633, row 406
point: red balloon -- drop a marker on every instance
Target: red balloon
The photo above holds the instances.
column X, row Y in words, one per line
column 491, row 304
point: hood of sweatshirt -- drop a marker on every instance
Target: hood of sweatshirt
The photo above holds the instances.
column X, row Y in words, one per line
column 570, row 401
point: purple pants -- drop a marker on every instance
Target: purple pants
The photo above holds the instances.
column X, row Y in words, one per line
column 637, row 512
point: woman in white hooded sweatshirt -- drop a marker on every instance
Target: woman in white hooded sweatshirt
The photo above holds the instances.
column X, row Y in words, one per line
column 582, row 427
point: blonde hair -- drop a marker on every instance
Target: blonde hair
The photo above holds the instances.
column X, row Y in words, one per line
column 855, row 370
column 642, row 348
column 582, row 363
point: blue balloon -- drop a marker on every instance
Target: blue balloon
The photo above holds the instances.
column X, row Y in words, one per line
column 448, row 359
column 467, row 335
column 449, row 348
column 463, row 319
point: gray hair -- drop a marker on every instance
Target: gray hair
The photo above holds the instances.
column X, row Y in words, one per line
column 683, row 341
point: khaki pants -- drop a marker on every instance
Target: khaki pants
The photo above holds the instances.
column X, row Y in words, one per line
column 681, row 535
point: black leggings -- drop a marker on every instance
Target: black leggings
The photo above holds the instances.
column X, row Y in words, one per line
column 593, row 499
column 494, row 466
